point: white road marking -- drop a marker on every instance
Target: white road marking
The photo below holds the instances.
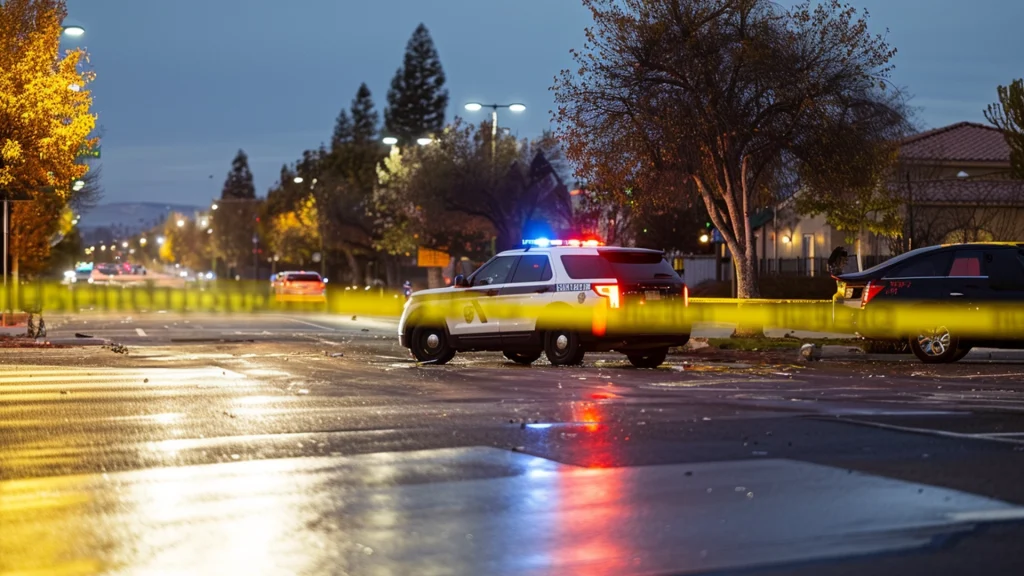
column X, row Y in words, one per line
column 313, row 325
column 930, row 431
column 140, row 332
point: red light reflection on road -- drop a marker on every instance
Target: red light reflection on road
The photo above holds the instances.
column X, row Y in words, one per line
column 589, row 503
column 594, row 445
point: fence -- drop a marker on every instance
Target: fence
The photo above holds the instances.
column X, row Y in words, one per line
column 700, row 269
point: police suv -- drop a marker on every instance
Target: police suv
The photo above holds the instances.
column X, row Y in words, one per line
column 561, row 298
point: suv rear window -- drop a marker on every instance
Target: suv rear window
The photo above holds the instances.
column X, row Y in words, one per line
column 623, row 265
column 303, row 278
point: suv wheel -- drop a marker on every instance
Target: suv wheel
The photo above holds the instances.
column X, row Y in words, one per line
column 524, row 358
column 648, row 358
column 430, row 345
column 563, row 348
column 936, row 346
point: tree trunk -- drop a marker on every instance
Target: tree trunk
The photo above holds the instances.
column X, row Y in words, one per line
column 353, row 265
column 391, row 270
column 860, row 246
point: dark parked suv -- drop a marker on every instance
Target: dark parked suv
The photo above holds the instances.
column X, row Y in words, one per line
column 943, row 300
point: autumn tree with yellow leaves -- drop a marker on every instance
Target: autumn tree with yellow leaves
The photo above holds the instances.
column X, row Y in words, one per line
column 45, row 122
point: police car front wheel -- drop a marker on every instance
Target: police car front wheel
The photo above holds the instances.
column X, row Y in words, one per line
column 563, row 348
column 431, row 345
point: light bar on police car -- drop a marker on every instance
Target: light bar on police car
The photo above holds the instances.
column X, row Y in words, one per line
column 545, row 242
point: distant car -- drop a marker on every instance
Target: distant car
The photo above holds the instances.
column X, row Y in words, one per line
column 973, row 278
column 299, row 287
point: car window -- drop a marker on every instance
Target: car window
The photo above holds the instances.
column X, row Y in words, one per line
column 303, row 278
column 494, row 272
column 534, row 268
column 966, row 263
column 925, row 266
column 622, row 264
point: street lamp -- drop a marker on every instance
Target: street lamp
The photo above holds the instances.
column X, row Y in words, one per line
column 297, row 179
column 704, row 238
column 390, row 140
column 214, row 207
column 476, row 107
column 180, row 223
column 142, row 241
column 160, row 240
column 424, row 141
column 74, row 31
column 124, row 244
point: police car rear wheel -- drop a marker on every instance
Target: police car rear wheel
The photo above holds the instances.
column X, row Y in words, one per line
column 649, row 358
column 431, row 345
column 524, row 358
column 563, row 348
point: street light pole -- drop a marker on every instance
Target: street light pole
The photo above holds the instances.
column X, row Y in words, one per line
column 476, row 106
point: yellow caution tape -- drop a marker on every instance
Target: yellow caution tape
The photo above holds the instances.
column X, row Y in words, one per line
column 882, row 320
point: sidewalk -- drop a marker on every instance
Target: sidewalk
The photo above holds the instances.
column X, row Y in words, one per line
column 725, row 331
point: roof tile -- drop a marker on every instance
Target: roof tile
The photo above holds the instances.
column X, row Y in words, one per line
column 961, row 142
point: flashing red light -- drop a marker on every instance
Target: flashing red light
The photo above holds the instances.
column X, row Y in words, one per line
column 573, row 243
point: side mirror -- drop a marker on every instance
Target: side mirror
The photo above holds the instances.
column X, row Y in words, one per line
column 461, row 282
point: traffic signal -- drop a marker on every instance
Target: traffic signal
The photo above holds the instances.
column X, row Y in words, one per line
column 707, row 225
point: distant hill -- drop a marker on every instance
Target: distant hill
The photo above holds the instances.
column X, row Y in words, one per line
column 122, row 219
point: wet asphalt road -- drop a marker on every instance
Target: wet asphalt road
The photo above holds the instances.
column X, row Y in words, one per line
column 286, row 445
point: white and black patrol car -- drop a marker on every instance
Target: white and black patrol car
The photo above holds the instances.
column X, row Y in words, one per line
column 555, row 289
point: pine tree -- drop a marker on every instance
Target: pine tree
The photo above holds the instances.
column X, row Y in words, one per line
column 239, row 181
column 342, row 130
column 364, row 117
column 417, row 100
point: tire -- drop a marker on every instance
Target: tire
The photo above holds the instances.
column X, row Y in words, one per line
column 960, row 353
column 430, row 345
column 563, row 348
column 524, row 358
column 648, row 358
column 935, row 347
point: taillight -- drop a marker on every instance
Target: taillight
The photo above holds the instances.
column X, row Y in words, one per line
column 609, row 291
column 686, row 295
column 870, row 291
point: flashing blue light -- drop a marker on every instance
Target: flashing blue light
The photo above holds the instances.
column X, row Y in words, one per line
column 541, row 242
column 538, row 426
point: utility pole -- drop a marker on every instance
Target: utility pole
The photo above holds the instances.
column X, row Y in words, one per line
column 910, row 213
column 7, row 296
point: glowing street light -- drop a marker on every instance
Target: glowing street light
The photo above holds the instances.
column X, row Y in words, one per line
column 214, row 207
column 476, row 107
column 424, row 141
column 297, row 179
column 704, row 238
column 103, row 247
column 142, row 241
column 124, row 244
column 204, row 222
column 78, row 185
column 160, row 240
column 180, row 223
column 74, row 31
column 390, row 140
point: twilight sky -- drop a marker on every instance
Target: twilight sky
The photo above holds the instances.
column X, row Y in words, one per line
column 183, row 84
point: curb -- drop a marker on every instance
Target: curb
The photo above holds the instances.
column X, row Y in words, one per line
column 75, row 341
